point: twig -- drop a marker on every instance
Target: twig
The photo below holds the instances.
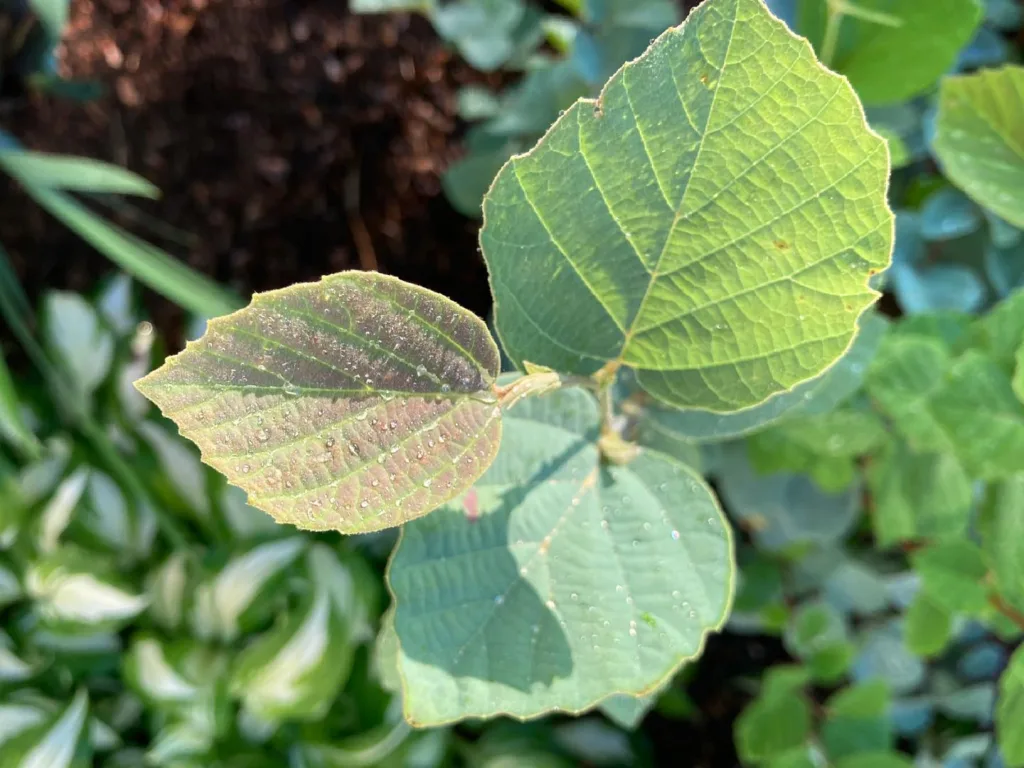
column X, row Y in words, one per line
column 360, row 234
column 1006, row 609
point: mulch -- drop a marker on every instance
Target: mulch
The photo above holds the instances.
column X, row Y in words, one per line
column 291, row 140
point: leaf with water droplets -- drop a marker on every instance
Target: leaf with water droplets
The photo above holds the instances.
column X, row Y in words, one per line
column 352, row 404
column 576, row 581
column 711, row 221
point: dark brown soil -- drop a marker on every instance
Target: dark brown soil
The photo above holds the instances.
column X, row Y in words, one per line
column 291, row 140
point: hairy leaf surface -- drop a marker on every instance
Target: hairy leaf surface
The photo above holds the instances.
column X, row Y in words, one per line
column 560, row 580
column 354, row 404
column 710, row 221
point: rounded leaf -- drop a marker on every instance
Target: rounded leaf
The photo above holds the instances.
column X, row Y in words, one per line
column 560, row 580
column 711, row 221
column 353, row 404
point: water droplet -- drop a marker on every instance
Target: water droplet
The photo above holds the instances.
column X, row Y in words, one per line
column 430, row 443
column 329, row 443
column 288, row 483
column 499, row 599
column 421, row 370
column 663, row 487
column 550, row 604
column 364, row 504
column 632, row 629
column 362, row 416
column 353, row 449
column 676, row 594
column 381, row 457
column 292, row 390
column 394, row 425
column 427, row 482
column 636, row 543
column 647, row 526
column 419, row 455
column 692, row 614
column 394, row 449
column 604, row 524
column 618, row 587
column 375, row 483
column 445, row 388
column 711, row 521
column 522, row 571
column 574, row 596
column 246, row 468
column 675, row 535
column 263, row 435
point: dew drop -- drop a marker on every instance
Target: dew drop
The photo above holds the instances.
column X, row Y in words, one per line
column 246, row 468
column 292, row 390
column 364, row 504
column 288, row 483
column 263, row 435
column 574, row 597
column 353, row 449
column 394, row 425
column 430, row 443
column 419, row 455
column 647, row 526
column 394, row 449
column 329, row 443
column 604, row 524
column 427, row 482
column 499, row 599
column 550, row 604
column 618, row 588
column 362, row 416
column 632, row 629
column 421, row 370
column 675, row 535
column 445, row 388
column 381, row 457
column 375, row 483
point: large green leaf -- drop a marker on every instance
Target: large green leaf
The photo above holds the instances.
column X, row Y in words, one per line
column 920, row 41
column 980, row 138
column 1010, row 711
column 952, row 575
column 355, row 404
column 655, row 423
column 670, row 227
column 560, row 580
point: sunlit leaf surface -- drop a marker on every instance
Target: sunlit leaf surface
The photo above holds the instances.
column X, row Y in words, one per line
column 354, row 404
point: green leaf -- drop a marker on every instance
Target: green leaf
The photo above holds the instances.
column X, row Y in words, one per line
column 1010, row 711
column 482, row 30
column 980, row 138
column 296, row 670
column 77, row 338
column 1001, row 332
column 72, row 590
column 73, row 174
column 658, row 425
column 918, row 496
column 952, row 575
column 858, row 720
column 352, row 404
column 150, row 672
column 628, row 712
column 53, row 14
column 57, row 743
column 1003, row 538
column 901, row 380
column 921, row 43
column 928, row 626
column 774, row 723
column 222, row 601
column 977, row 408
column 1018, row 374
column 12, row 422
column 166, row 588
column 503, row 611
column 675, row 235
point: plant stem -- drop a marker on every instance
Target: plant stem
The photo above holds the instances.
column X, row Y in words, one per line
column 1006, row 609
column 831, row 38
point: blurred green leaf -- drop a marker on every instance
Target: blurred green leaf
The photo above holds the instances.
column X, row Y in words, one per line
column 776, row 722
column 858, row 720
column 977, row 409
column 978, row 138
column 919, row 41
column 952, row 575
column 929, row 626
column 917, row 496
column 1003, row 538
column 60, row 742
column 296, row 670
column 1010, row 711
column 73, row 174
column 75, row 337
column 12, row 419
